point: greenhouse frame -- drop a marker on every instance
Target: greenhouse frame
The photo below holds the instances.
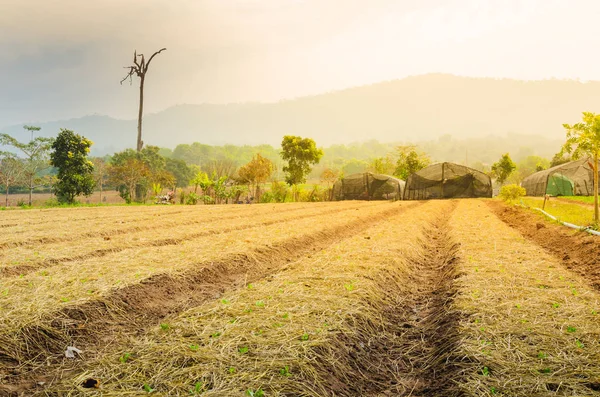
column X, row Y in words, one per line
column 447, row 180
column 575, row 178
column 368, row 186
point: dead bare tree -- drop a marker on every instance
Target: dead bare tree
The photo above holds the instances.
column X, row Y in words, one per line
column 140, row 68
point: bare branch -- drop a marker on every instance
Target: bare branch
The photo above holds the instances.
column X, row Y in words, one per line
column 129, row 75
column 153, row 55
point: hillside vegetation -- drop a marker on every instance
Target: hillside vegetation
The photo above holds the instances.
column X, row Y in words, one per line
column 413, row 109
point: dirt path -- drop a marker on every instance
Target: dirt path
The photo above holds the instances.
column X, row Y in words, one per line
column 578, row 251
column 430, row 322
column 416, row 355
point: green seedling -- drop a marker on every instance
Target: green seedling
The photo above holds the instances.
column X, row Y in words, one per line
column 215, row 335
column 579, row 344
column 231, row 370
column 233, row 320
column 277, row 325
column 255, row 393
column 304, row 337
column 594, row 312
column 164, row 326
column 285, row 315
column 147, row 388
column 248, row 310
column 518, row 306
column 556, row 305
column 493, row 390
column 574, row 291
column 571, row 329
column 124, row 357
column 198, row 388
column 545, row 371
column 225, row 301
column 5, row 291
column 64, row 299
column 260, row 304
column 243, row 350
column 285, row 371
column 250, row 286
column 194, row 348
column 485, row 371
column 349, row 287
column 542, row 355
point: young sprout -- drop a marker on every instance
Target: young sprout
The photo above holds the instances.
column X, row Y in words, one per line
column 243, row 350
column 285, row 371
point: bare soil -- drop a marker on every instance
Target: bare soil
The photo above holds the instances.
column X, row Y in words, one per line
column 417, row 355
column 578, row 251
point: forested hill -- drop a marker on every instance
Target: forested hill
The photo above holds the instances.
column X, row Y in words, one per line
column 408, row 110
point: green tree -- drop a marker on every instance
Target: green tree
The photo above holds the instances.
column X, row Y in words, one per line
column 255, row 173
column 410, row 161
column 300, row 153
column 203, row 181
column 559, row 158
column 502, row 169
column 583, row 139
column 11, row 171
column 36, row 157
column 154, row 172
column 354, row 166
column 382, row 165
column 528, row 166
column 180, row 170
column 127, row 175
column 75, row 170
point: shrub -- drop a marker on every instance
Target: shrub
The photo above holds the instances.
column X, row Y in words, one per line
column 191, row 198
column 511, row 193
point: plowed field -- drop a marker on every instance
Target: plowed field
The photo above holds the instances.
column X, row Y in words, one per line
column 439, row 298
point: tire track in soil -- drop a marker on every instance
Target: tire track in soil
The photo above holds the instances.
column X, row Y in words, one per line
column 134, row 309
column 578, row 251
column 418, row 354
column 18, row 270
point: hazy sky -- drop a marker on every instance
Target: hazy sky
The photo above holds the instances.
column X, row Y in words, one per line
column 64, row 58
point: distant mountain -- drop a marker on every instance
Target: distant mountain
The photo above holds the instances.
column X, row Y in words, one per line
column 410, row 110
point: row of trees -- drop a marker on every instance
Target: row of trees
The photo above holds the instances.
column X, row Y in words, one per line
column 63, row 164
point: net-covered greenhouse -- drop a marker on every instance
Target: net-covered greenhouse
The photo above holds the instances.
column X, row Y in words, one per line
column 368, row 186
column 575, row 178
column 447, row 180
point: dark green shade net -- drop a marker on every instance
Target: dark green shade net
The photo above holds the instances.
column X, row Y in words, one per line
column 447, row 180
column 368, row 186
column 575, row 178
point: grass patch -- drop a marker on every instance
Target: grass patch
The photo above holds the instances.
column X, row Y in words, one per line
column 566, row 212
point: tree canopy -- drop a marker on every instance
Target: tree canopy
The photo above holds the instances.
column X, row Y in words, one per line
column 300, row 153
column 75, row 172
column 502, row 169
column 583, row 139
column 409, row 161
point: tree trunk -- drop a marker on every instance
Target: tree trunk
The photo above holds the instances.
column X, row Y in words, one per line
column 101, row 190
column 596, row 217
column 140, row 112
column 30, row 191
column 7, row 195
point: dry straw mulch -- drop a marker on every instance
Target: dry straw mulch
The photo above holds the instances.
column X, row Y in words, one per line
column 324, row 325
column 534, row 327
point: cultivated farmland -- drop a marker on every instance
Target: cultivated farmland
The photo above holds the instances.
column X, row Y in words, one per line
column 448, row 298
